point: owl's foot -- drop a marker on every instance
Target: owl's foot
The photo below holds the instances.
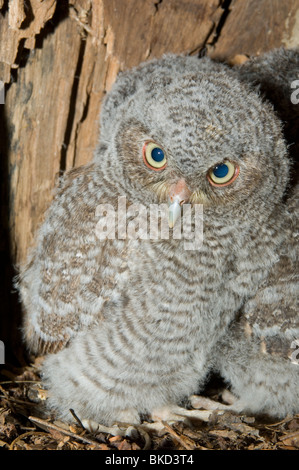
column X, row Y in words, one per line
column 128, row 420
column 173, row 413
column 120, row 429
column 125, row 419
column 95, row 427
column 198, row 401
column 232, row 403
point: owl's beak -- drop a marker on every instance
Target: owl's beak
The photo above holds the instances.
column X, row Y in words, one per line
column 174, row 212
column 179, row 194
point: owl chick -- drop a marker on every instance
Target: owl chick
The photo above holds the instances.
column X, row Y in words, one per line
column 134, row 324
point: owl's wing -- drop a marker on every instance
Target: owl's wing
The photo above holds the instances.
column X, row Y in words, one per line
column 272, row 314
column 70, row 273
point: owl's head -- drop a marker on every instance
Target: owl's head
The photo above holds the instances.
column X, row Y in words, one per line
column 182, row 129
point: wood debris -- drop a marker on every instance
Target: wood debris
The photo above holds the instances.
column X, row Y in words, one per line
column 25, row 425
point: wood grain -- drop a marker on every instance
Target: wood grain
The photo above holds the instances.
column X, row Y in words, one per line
column 18, row 29
column 122, row 34
column 37, row 105
column 256, row 26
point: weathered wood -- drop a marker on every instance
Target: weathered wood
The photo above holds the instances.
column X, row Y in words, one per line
column 121, row 35
column 255, row 26
column 37, row 107
column 18, row 29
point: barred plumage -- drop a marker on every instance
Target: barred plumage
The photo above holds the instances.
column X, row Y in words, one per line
column 139, row 323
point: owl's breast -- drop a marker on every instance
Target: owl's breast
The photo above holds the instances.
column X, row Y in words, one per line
column 172, row 290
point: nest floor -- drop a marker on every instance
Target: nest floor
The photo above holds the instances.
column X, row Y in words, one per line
column 24, row 425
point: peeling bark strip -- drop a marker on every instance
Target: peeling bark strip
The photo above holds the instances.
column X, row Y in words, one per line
column 59, row 58
column 16, row 14
column 19, row 26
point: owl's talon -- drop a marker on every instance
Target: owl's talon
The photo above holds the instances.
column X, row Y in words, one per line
column 234, row 404
column 123, row 430
column 174, row 413
column 127, row 419
column 156, row 427
column 132, row 432
column 228, row 397
column 94, row 427
column 198, row 401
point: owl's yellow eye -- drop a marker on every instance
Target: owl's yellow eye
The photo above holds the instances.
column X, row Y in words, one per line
column 153, row 156
column 223, row 174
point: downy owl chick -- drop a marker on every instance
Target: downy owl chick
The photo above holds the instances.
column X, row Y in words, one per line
column 134, row 324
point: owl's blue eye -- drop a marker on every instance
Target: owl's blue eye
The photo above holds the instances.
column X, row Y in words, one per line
column 157, row 154
column 153, row 156
column 223, row 174
column 220, row 171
